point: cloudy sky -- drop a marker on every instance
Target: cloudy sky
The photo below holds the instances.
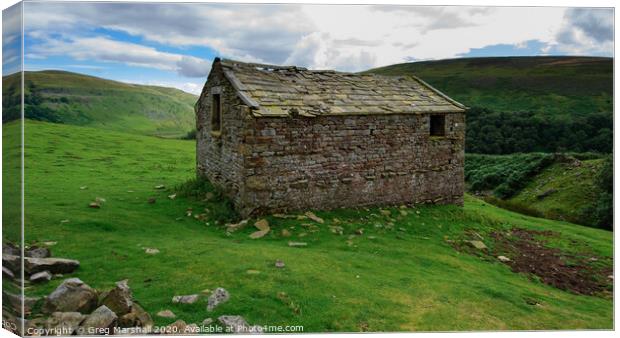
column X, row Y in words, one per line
column 174, row 44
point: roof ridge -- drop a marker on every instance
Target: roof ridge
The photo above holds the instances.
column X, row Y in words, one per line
column 256, row 64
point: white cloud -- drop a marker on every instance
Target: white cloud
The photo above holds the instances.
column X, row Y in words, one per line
column 189, row 87
column 344, row 37
column 586, row 30
column 108, row 50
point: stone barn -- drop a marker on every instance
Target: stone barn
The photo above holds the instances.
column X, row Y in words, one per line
column 279, row 139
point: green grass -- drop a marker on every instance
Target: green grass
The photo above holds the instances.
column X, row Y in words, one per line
column 400, row 275
column 575, row 191
column 556, row 186
column 549, row 85
column 78, row 99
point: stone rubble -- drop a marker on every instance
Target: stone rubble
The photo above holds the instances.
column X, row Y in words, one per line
column 219, row 296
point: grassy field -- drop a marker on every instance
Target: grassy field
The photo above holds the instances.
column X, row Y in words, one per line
column 402, row 273
column 78, row 99
column 548, row 85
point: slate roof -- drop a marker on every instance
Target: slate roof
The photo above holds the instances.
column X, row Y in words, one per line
column 281, row 91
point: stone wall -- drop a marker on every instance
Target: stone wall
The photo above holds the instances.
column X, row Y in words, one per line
column 285, row 164
column 218, row 156
column 331, row 162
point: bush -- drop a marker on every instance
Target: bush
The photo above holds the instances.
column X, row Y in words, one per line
column 191, row 135
column 504, row 175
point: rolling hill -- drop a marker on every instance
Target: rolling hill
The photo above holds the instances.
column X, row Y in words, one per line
column 556, row 85
column 77, row 99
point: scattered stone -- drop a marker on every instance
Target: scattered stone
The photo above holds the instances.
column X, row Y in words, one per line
column 16, row 302
column 151, row 251
column 280, row 264
column 503, row 258
column 236, row 226
column 314, row 217
column 478, row 245
column 252, row 272
column 50, row 243
column 404, row 213
column 160, row 186
column 359, row 231
column 72, row 295
column 175, row 328
column 63, row 221
column 152, row 200
column 237, row 324
column 53, row 265
column 166, row 314
column 262, row 224
column 385, row 212
column 219, row 296
column 173, row 196
column 100, row 322
column 63, row 323
column 207, row 322
column 39, row 277
column 38, row 252
column 338, row 230
column 119, row 299
column 94, row 205
column 297, row 244
column 188, row 299
column 11, row 249
column 83, row 187
column 137, row 317
column 258, row 234
column 285, row 233
column 7, row 273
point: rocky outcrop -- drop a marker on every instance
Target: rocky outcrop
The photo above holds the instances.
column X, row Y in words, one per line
column 119, row 299
column 72, row 295
column 54, row 265
column 63, row 323
column 101, row 321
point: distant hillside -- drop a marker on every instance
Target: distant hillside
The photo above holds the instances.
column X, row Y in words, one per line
column 70, row 98
column 568, row 187
column 547, row 84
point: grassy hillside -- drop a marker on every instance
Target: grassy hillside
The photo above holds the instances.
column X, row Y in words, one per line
column 70, row 98
column 392, row 269
column 556, row 186
column 552, row 85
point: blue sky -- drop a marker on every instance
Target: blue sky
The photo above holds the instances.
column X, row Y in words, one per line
column 173, row 44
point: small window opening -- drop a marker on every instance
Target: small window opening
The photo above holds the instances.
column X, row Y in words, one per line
column 216, row 113
column 438, row 125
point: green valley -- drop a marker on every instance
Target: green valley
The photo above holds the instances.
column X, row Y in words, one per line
column 77, row 99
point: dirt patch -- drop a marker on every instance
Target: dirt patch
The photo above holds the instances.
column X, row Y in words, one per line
column 529, row 252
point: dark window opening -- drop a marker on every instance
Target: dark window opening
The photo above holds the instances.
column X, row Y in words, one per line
column 216, row 113
column 438, row 125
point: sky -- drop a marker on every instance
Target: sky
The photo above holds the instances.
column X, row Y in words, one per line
column 174, row 44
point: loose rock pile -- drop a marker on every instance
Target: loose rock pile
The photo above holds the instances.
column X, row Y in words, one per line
column 76, row 308
column 39, row 265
